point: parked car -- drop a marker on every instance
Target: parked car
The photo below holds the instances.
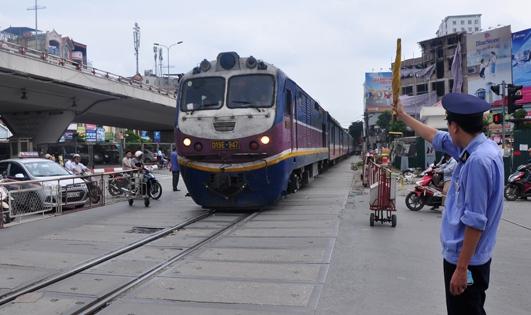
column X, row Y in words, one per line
column 74, row 192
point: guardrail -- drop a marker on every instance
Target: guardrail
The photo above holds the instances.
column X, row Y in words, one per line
column 20, row 198
column 45, row 57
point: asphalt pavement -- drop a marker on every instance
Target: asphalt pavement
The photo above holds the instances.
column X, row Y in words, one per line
column 313, row 253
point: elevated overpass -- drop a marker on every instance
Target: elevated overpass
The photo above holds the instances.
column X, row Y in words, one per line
column 41, row 94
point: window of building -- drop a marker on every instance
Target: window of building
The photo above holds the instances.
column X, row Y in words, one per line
column 475, row 21
column 477, row 29
column 470, row 29
column 439, row 69
column 455, row 29
column 463, row 29
column 469, row 21
column 451, row 85
column 407, row 90
column 450, row 61
column 462, row 22
column 438, row 87
column 454, row 22
column 422, row 89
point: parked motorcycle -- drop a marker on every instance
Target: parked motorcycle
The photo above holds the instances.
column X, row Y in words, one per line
column 519, row 183
column 153, row 186
column 428, row 191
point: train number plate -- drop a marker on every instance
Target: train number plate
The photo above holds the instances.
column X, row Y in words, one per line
column 225, row 145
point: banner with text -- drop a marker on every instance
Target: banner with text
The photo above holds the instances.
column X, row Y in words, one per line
column 489, row 61
column 378, row 96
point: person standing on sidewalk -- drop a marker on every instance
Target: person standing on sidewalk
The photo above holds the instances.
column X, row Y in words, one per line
column 474, row 202
column 174, row 167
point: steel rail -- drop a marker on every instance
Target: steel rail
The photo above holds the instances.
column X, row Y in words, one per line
column 104, row 300
column 12, row 295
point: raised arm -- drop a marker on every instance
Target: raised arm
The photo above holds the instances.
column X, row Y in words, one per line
column 421, row 129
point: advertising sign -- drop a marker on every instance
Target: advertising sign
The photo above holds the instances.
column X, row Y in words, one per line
column 156, row 136
column 378, row 95
column 81, row 131
column 91, row 136
column 521, row 63
column 68, row 135
column 90, row 126
column 521, row 60
column 489, row 61
column 100, row 134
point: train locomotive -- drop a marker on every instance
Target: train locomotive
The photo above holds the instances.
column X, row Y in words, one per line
column 246, row 134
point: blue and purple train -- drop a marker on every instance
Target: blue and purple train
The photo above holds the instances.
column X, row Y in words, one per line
column 247, row 134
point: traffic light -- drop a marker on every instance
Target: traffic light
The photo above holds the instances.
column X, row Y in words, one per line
column 495, row 89
column 497, row 118
column 514, row 94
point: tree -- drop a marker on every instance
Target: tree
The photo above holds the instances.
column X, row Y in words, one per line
column 356, row 130
column 131, row 137
column 384, row 120
column 397, row 126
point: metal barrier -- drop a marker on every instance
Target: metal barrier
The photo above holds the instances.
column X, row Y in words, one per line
column 69, row 64
column 382, row 195
column 20, row 198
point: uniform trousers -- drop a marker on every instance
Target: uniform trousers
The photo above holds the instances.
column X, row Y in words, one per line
column 472, row 300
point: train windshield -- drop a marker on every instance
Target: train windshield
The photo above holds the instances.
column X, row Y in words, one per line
column 255, row 90
column 203, row 93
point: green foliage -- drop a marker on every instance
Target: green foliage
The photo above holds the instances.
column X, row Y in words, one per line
column 384, row 120
column 131, row 137
column 356, row 130
column 397, row 126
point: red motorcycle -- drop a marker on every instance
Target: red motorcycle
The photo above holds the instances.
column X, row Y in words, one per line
column 428, row 191
column 519, row 185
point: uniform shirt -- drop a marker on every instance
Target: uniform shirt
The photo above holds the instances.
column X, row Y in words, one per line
column 475, row 198
column 174, row 161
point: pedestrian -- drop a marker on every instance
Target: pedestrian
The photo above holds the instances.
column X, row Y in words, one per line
column 447, row 170
column 50, row 157
column 474, row 202
column 127, row 161
column 174, row 168
column 75, row 166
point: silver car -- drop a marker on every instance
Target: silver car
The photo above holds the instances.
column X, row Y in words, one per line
column 74, row 191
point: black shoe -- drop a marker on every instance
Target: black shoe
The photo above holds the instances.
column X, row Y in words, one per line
column 176, row 189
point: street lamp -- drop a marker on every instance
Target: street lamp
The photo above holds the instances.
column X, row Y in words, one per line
column 168, row 55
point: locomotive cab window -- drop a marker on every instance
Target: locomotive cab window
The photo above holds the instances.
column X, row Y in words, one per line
column 256, row 90
column 203, row 93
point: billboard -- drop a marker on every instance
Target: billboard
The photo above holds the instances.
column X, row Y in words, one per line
column 488, row 61
column 521, row 58
column 378, row 95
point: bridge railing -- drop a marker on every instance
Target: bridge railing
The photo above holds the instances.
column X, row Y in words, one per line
column 44, row 56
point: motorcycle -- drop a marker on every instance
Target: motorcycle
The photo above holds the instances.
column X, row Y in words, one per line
column 119, row 184
column 154, row 188
column 428, row 191
column 519, row 185
column 94, row 190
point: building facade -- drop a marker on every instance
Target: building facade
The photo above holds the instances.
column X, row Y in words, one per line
column 432, row 71
column 469, row 23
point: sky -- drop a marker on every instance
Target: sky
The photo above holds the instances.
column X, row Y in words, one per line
column 324, row 46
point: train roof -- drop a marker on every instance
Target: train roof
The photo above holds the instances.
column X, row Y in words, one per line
column 227, row 62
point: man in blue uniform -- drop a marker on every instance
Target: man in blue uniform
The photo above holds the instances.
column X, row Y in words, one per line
column 474, row 202
column 174, row 167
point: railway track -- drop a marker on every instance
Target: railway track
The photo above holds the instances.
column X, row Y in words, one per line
column 104, row 299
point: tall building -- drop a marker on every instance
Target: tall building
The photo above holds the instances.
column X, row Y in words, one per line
column 468, row 23
column 432, row 71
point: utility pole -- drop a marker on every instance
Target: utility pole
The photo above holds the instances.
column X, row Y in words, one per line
column 136, row 39
column 160, row 60
column 503, row 115
column 155, row 56
column 36, row 8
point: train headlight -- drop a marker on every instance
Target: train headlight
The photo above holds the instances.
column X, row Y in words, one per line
column 204, row 65
column 265, row 140
column 187, row 142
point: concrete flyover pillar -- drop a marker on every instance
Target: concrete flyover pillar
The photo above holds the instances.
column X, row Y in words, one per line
column 42, row 127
